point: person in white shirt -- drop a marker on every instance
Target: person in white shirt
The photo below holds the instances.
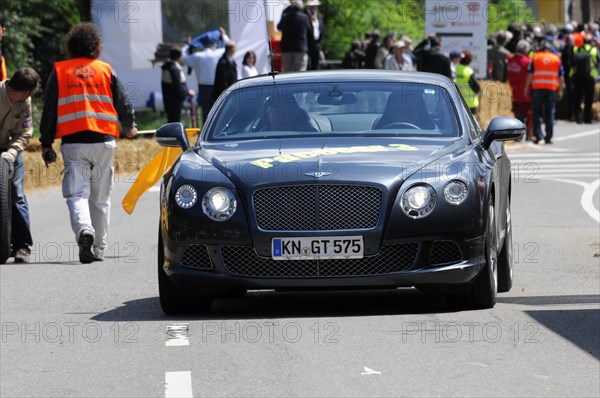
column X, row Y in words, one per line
column 204, row 64
column 248, row 69
column 396, row 60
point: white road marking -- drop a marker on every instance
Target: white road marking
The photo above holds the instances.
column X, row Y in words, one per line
column 369, row 372
column 553, row 155
column 587, row 198
column 533, row 166
column 177, row 335
column 553, row 176
column 577, row 135
column 578, row 159
column 481, row 365
column 178, row 384
column 547, row 149
column 154, row 188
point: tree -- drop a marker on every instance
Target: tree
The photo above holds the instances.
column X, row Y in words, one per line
column 347, row 20
column 502, row 13
column 35, row 31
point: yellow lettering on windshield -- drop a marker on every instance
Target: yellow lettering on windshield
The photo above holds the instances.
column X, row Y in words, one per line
column 305, row 155
column 285, row 158
column 265, row 163
column 404, row 147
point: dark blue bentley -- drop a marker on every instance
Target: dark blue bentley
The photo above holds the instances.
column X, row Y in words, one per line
column 337, row 179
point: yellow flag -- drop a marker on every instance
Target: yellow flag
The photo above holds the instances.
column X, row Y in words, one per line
column 151, row 174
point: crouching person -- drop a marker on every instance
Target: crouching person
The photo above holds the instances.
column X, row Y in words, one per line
column 16, row 128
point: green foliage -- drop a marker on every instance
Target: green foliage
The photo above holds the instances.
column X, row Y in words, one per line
column 347, row 20
column 502, row 13
column 35, row 31
column 183, row 18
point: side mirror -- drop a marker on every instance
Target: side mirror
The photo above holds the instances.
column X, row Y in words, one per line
column 172, row 135
column 503, row 128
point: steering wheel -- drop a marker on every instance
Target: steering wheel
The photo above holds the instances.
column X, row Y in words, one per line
column 396, row 125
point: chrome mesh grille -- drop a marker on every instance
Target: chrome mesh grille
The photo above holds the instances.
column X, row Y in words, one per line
column 196, row 256
column 444, row 252
column 317, row 207
column 244, row 261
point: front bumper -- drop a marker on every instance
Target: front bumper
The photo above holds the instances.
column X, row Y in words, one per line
column 426, row 262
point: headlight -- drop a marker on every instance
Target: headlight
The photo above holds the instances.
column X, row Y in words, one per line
column 186, row 196
column 455, row 192
column 418, row 201
column 219, row 204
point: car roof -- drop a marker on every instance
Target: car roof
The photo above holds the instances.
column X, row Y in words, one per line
column 330, row 75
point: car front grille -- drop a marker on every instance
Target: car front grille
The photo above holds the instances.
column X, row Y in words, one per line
column 196, row 256
column 243, row 261
column 317, row 207
column 444, row 252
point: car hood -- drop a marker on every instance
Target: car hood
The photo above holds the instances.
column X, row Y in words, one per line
column 354, row 159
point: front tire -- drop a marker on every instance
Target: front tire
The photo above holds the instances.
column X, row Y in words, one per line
column 481, row 294
column 170, row 301
column 485, row 288
column 505, row 258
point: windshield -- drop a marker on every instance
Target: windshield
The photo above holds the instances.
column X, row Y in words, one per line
column 332, row 109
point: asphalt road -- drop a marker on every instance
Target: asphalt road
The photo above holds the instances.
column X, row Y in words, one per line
column 96, row 330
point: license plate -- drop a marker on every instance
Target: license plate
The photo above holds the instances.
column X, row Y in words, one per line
column 312, row 248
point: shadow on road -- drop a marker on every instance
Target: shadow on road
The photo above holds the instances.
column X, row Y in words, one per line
column 551, row 300
column 271, row 304
column 581, row 327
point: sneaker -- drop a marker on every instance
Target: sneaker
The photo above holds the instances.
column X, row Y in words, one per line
column 98, row 255
column 22, row 255
column 85, row 242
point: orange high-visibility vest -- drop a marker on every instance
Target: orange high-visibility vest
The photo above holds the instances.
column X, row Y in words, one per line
column 3, row 73
column 546, row 67
column 85, row 99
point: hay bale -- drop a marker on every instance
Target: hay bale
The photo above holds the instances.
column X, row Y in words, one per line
column 495, row 99
column 131, row 156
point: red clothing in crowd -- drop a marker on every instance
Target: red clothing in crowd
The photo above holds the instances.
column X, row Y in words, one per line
column 578, row 39
column 517, row 69
column 518, row 65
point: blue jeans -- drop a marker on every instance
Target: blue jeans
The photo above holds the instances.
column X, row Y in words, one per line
column 21, row 232
column 543, row 106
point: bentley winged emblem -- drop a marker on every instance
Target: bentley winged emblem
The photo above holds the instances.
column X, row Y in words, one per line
column 317, row 174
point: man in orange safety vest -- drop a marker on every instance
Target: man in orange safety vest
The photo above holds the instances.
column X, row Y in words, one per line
column 545, row 81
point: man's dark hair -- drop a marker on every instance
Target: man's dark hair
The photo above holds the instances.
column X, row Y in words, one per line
column 24, row 79
column 174, row 54
column 500, row 38
column 2, row 20
column 84, row 41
